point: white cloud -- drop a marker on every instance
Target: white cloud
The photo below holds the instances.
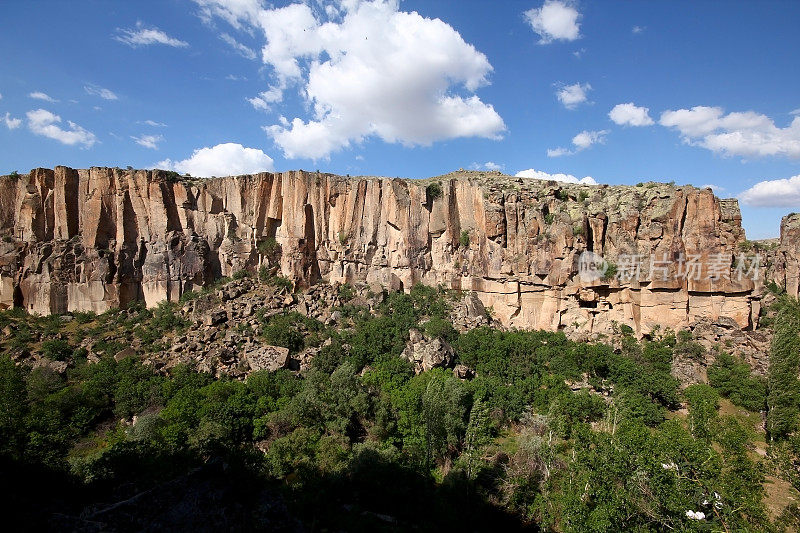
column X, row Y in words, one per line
column 573, row 95
column 630, row 115
column 143, row 36
column 243, row 50
column 555, row 20
column 148, row 141
column 264, row 99
column 558, row 152
column 795, row 111
column 773, row 193
column 226, row 159
column 565, row 178
column 233, row 77
column 1, row 96
column 585, row 139
column 12, row 123
column 637, row 29
column 95, row 90
column 153, row 123
column 38, row 95
column 581, row 141
column 489, row 165
column 747, row 134
column 44, row 123
column 366, row 70
column 715, row 188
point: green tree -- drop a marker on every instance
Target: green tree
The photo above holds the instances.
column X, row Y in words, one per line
column 13, row 407
column 783, row 401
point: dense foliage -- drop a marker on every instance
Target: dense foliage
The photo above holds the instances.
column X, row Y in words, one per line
column 549, row 434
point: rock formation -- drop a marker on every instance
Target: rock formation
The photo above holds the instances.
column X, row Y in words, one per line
column 98, row 238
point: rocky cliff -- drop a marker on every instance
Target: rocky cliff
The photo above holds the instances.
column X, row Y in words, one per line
column 101, row 237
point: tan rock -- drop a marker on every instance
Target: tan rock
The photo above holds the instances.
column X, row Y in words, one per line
column 98, row 238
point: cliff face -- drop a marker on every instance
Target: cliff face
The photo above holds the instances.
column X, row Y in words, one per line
column 99, row 238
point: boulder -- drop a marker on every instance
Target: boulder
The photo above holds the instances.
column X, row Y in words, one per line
column 214, row 318
column 268, row 357
column 426, row 353
column 124, row 354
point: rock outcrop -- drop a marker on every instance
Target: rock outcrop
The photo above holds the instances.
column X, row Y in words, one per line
column 99, row 238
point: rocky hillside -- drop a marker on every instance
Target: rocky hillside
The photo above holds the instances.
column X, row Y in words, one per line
column 94, row 239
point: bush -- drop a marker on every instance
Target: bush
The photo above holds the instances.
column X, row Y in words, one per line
column 433, row 191
column 463, row 240
column 84, row 317
column 241, row 274
column 268, row 246
column 549, row 218
column 346, row 292
column 610, row 270
column 57, row 350
column 732, row 378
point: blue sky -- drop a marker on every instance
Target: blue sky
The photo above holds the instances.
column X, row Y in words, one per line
column 622, row 92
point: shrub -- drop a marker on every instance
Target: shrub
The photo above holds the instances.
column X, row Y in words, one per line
column 433, row 191
column 732, row 378
column 268, row 246
column 583, row 196
column 549, row 218
column 562, row 195
column 463, row 240
column 610, row 270
column 84, row 317
column 172, row 176
column 57, row 350
column 346, row 292
column 577, row 229
column 241, row 274
column 6, row 238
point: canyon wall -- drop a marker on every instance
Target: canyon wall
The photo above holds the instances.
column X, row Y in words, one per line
column 99, row 238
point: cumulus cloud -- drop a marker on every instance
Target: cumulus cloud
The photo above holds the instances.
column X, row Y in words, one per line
column 226, row 159
column 366, row 69
column 555, row 20
column 630, row 115
column 585, row 139
column 489, row 165
column 241, row 49
column 95, row 90
column 264, row 99
column 38, row 95
column 581, row 141
column 148, row 141
column 143, row 36
column 565, row 178
column 773, row 193
column 571, row 96
column 747, row 134
column 12, row 123
column 44, row 123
